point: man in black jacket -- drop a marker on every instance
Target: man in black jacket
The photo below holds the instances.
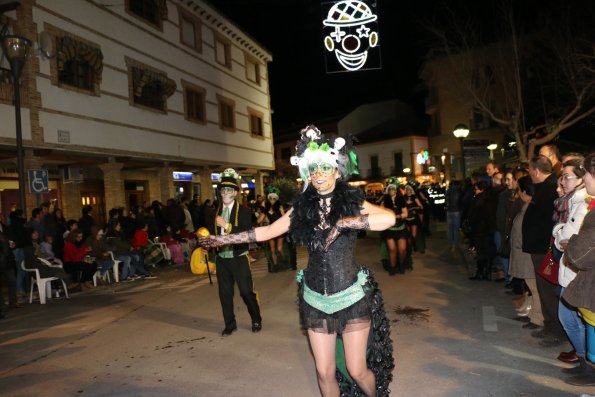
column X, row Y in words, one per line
column 537, row 231
column 480, row 231
column 232, row 260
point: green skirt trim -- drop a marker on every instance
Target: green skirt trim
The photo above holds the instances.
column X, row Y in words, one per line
column 338, row 301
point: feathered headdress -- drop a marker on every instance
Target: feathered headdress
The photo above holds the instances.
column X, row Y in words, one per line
column 311, row 148
column 273, row 191
column 391, row 182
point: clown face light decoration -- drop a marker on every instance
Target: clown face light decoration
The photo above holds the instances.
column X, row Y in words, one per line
column 351, row 36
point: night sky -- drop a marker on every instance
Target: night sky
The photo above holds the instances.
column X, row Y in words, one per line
column 302, row 91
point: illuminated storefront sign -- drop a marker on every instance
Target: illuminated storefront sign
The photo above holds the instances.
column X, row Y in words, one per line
column 423, row 157
column 182, row 176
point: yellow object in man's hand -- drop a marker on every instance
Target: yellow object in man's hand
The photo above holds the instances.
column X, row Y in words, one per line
column 202, row 232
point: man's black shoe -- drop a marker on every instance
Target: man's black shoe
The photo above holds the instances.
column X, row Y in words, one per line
column 550, row 342
column 541, row 334
column 531, row 325
column 228, row 331
column 523, row 319
column 256, row 327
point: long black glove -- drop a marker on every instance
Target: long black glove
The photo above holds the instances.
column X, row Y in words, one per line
column 227, row 239
column 360, row 222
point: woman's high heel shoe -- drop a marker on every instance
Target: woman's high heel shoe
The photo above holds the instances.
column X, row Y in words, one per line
column 525, row 309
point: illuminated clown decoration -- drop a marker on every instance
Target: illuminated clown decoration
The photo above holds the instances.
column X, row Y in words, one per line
column 351, row 32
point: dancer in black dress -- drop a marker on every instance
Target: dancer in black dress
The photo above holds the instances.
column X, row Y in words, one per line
column 340, row 303
column 397, row 235
column 272, row 213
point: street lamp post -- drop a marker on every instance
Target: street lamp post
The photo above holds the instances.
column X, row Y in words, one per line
column 15, row 48
column 461, row 131
column 491, row 147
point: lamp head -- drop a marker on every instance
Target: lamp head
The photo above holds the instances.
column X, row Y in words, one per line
column 15, row 47
column 461, row 131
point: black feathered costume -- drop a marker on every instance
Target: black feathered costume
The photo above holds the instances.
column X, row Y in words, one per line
column 335, row 270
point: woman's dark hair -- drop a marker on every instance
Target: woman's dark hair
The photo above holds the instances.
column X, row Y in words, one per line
column 70, row 223
column 579, row 169
column 589, row 164
column 481, row 185
column 519, row 173
column 526, row 185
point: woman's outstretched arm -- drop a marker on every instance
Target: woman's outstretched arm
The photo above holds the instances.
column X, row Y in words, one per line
column 262, row 233
column 379, row 218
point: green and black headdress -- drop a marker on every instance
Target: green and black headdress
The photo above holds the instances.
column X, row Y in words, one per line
column 312, row 148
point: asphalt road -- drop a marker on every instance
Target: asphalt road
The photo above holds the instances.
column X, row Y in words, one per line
column 453, row 337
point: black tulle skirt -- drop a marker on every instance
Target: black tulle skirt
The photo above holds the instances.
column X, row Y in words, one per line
column 380, row 347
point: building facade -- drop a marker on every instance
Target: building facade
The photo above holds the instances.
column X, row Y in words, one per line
column 451, row 83
column 389, row 139
column 133, row 101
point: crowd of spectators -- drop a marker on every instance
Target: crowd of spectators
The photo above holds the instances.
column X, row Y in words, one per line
column 81, row 247
column 522, row 225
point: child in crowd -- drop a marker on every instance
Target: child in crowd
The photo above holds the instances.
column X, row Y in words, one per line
column 46, row 249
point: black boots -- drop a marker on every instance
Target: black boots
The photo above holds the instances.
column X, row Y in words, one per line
column 584, row 374
column 482, row 272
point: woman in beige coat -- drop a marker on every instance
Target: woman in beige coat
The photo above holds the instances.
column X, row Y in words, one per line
column 521, row 266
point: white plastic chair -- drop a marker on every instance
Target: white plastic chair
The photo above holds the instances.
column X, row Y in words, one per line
column 166, row 252
column 106, row 277
column 98, row 276
column 44, row 285
column 116, row 267
column 54, row 263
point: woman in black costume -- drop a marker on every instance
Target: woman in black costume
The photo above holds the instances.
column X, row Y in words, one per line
column 273, row 212
column 396, row 236
column 340, row 303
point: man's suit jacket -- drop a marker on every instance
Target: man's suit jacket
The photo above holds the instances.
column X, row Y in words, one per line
column 240, row 218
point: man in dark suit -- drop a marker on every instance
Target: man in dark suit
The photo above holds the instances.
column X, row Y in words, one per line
column 537, row 232
column 232, row 261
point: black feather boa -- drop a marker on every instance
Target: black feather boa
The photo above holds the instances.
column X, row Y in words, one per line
column 305, row 218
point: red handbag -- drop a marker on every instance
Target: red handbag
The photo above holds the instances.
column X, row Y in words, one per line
column 549, row 268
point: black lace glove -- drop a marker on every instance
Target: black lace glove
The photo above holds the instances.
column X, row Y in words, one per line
column 209, row 242
column 360, row 222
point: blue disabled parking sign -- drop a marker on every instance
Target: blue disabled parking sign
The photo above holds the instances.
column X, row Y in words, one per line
column 38, row 181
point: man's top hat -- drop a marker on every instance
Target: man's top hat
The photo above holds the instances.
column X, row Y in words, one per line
column 229, row 178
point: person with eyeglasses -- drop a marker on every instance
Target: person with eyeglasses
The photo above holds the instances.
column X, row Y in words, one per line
column 580, row 293
column 572, row 209
column 339, row 300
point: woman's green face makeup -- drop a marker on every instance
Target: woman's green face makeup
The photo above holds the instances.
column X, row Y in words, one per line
column 325, row 169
